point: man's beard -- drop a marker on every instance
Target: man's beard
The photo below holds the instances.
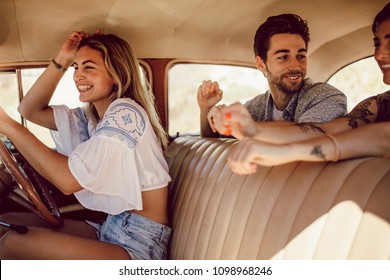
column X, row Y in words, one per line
column 286, row 88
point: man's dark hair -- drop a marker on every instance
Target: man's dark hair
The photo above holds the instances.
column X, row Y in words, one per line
column 284, row 23
column 381, row 16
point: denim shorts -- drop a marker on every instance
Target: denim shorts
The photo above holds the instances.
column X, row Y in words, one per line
column 141, row 237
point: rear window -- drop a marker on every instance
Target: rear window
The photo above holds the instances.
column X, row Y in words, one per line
column 238, row 84
column 359, row 80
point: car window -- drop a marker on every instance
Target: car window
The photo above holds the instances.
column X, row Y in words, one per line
column 9, row 97
column 359, row 80
column 238, row 84
column 65, row 93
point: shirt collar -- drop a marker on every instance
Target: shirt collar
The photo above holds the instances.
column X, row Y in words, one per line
column 289, row 112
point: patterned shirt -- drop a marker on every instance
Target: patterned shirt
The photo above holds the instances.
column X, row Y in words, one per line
column 315, row 102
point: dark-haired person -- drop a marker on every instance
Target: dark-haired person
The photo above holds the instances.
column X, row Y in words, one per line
column 363, row 132
column 280, row 47
column 109, row 155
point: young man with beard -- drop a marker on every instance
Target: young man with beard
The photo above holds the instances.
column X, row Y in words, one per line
column 280, row 47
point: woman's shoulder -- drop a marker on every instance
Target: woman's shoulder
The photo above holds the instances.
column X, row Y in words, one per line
column 124, row 101
column 385, row 95
column 123, row 108
column 383, row 101
column 125, row 119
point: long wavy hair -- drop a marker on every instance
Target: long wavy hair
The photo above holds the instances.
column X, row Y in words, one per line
column 123, row 66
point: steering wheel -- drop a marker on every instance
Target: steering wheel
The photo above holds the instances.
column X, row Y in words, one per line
column 35, row 197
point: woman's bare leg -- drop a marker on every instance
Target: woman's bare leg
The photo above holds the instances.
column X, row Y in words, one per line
column 75, row 240
column 74, row 227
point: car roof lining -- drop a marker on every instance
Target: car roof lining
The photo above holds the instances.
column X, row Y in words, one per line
column 33, row 30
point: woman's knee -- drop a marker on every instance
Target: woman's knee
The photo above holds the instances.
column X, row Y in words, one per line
column 8, row 242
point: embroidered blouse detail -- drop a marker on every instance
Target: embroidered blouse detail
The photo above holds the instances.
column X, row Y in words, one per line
column 82, row 122
column 124, row 122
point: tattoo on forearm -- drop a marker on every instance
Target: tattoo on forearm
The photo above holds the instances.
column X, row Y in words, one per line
column 308, row 127
column 317, row 151
column 360, row 112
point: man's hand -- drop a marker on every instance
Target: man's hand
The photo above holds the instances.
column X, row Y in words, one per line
column 232, row 120
column 208, row 95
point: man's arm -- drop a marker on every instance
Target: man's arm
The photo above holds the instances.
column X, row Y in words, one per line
column 243, row 125
column 205, row 129
column 209, row 94
column 364, row 113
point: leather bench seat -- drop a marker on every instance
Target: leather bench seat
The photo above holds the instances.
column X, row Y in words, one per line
column 299, row 210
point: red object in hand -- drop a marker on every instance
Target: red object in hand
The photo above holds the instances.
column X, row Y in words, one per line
column 228, row 116
column 228, row 128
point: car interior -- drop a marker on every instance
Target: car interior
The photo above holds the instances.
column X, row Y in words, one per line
column 331, row 210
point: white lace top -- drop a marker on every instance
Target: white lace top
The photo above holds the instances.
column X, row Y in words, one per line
column 116, row 161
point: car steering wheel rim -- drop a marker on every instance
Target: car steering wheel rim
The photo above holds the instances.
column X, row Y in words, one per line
column 50, row 212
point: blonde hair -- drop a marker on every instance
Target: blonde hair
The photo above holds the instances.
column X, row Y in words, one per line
column 123, row 66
